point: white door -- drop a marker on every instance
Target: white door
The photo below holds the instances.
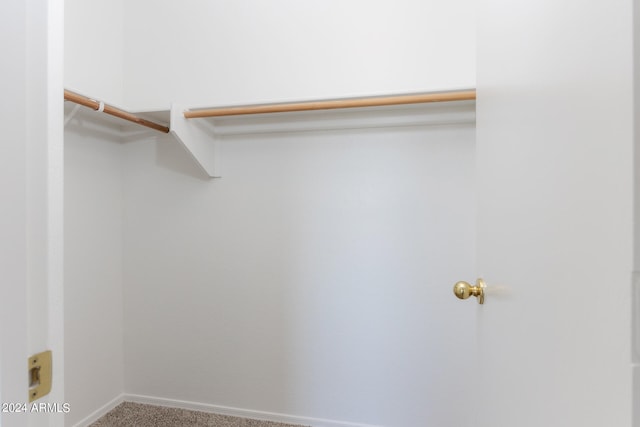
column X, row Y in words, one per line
column 555, row 152
column 31, row 308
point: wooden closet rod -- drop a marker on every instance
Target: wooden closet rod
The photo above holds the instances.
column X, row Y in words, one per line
column 333, row 104
column 95, row 105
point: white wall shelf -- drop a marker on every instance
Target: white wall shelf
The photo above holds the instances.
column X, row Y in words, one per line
column 201, row 137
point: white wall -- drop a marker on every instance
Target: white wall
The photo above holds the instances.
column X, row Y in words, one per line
column 183, row 230
column 313, row 279
column 93, row 266
column 93, row 59
column 94, row 48
column 146, row 54
column 204, row 53
column 283, row 286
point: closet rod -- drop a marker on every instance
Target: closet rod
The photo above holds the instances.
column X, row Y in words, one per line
column 379, row 101
column 113, row 111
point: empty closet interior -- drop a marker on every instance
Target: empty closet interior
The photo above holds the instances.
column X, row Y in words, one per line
column 292, row 265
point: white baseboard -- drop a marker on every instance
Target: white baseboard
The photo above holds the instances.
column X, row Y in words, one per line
column 92, row 418
column 238, row 412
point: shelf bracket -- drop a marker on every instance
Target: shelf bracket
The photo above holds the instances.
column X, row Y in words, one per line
column 197, row 138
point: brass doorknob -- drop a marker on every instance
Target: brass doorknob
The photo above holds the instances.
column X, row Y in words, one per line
column 464, row 290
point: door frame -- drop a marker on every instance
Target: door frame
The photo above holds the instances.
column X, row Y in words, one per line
column 31, row 172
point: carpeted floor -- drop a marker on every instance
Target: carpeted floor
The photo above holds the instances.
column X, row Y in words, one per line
column 130, row 414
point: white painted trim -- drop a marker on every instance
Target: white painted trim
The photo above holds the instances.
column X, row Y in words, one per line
column 239, row 412
column 13, row 180
column 55, row 201
column 100, row 412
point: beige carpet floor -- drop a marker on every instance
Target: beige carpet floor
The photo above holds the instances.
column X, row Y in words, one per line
column 130, row 414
